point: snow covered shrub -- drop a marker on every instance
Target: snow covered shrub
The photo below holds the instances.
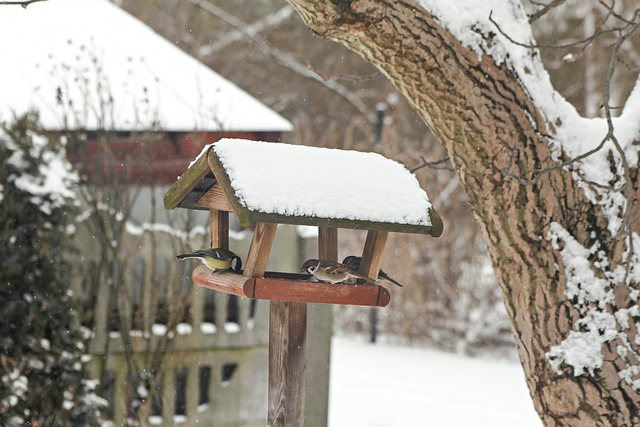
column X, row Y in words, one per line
column 42, row 350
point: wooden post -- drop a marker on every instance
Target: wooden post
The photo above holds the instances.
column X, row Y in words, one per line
column 287, row 341
column 287, row 348
column 218, row 238
column 372, row 253
column 256, row 262
column 169, row 396
column 320, row 317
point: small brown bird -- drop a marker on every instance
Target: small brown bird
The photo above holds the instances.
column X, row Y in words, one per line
column 354, row 263
column 332, row 272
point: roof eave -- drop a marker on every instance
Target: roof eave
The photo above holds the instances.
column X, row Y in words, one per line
column 434, row 230
column 208, row 170
column 189, row 185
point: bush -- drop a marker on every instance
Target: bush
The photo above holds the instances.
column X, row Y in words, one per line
column 42, row 350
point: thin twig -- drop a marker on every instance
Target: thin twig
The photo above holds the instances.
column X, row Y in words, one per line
column 287, row 60
column 24, row 3
column 437, row 164
column 615, row 14
column 538, row 14
column 625, row 229
column 599, row 31
column 622, row 37
column 358, row 78
column 537, row 174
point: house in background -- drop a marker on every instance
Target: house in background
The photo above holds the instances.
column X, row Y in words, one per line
column 87, row 65
column 135, row 111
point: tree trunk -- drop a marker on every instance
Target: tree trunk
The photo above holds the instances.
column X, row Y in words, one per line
column 489, row 126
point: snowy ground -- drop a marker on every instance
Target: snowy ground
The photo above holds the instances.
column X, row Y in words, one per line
column 384, row 386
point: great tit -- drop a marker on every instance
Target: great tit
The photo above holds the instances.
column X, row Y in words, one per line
column 354, row 263
column 217, row 259
column 332, row 272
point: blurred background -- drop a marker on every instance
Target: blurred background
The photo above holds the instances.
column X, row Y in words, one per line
column 152, row 333
column 335, row 99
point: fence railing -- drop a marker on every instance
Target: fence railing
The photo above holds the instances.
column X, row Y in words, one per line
column 211, row 348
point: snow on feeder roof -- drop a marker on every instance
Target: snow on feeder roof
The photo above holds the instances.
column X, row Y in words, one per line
column 296, row 184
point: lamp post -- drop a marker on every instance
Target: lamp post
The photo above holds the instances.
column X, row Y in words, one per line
column 373, row 313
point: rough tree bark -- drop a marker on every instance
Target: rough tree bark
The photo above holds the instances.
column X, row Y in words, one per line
column 491, row 129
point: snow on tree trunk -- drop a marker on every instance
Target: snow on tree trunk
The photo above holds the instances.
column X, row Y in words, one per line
column 556, row 238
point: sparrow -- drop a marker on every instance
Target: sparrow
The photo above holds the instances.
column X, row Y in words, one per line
column 354, row 263
column 217, row 259
column 332, row 272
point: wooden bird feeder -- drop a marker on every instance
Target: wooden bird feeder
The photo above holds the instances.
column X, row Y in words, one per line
column 272, row 183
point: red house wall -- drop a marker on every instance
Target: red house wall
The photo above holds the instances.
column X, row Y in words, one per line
column 145, row 160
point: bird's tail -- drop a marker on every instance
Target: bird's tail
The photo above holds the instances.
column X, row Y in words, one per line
column 237, row 266
column 184, row 256
column 390, row 279
column 368, row 280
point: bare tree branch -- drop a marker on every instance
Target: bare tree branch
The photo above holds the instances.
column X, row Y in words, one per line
column 611, row 9
column 442, row 164
column 253, row 29
column 358, row 78
column 287, row 60
column 583, row 42
column 538, row 14
column 625, row 230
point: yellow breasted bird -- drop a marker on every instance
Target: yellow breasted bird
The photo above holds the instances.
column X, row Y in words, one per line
column 217, row 259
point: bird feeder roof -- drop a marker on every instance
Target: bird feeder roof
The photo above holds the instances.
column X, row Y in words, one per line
column 296, row 184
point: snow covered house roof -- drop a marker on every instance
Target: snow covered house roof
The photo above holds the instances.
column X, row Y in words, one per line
column 88, row 64
column 295, row 184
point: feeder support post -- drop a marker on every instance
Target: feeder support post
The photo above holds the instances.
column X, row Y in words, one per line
column 287, row 339
column 320, row 317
